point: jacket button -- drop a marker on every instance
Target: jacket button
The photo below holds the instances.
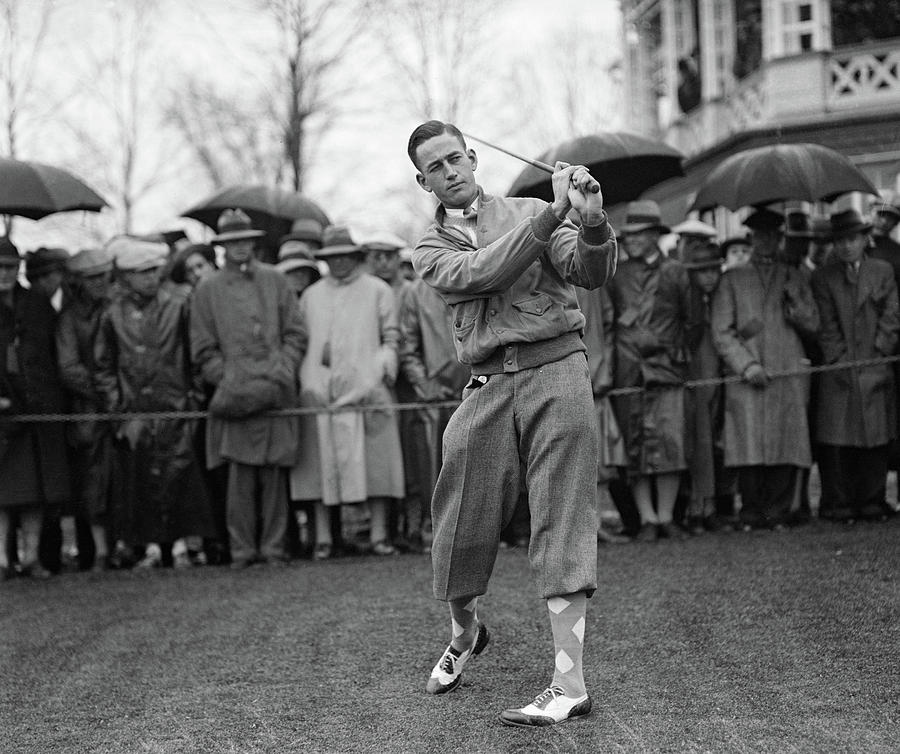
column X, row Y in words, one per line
column 509, row 361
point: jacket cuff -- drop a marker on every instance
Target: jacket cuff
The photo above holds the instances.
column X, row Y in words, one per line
column 544, row 224
column 597, row 235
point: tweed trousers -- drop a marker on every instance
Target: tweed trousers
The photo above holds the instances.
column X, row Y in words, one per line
column 543, row 420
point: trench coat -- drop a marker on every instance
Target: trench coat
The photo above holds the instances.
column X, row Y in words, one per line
column 34, row 468
column 651, row 303
column 597, row 308
column 247, row 322
column 857, row 407
column 351, row 360
column 76, row 334
column 703, row 404
column 142, row 363
column 752, row 322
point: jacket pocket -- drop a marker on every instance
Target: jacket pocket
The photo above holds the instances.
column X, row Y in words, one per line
column 537, row 304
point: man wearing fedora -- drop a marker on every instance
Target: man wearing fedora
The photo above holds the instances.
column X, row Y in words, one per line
column 507, row 267
column 759, row 313
column 650, row 294
column 349, row 457
column 248, row 339
column 856, row 416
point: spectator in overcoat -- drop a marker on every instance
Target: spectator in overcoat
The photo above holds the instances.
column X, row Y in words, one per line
column 349, row 456
column 759, row 312
column 885, row 217
column 650, row 294
column 599, row 339
column 90, row 273
column 34, row 471
column 429, row 364
column 142, row 363
column 382, row 251
column 711, row 485
column 856, row 417
column 247, row 338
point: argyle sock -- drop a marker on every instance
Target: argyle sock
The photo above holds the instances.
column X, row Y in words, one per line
column 567, row 614
column 464, row 621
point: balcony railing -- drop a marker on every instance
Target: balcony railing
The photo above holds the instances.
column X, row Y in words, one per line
column 788, row 91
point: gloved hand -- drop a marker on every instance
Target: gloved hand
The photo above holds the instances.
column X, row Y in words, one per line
column 756, row 375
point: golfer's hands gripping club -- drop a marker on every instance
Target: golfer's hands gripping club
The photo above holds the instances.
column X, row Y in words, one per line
column 575, row 188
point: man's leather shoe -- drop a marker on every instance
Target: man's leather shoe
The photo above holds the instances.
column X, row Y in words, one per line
column 447, row 674
column 551, row 706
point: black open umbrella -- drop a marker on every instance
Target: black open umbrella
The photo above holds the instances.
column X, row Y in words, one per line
column 35, row 190
column 781, row 172
column 626, row 165
column 271, row 210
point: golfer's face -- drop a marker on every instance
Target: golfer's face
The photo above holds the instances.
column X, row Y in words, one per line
column 447, row 170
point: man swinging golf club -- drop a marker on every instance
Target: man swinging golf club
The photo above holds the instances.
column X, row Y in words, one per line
column 507, row 267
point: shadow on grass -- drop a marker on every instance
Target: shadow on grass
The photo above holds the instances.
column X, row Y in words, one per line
column 727, row 643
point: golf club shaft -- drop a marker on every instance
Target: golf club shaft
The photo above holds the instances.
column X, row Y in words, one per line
column 594, row 186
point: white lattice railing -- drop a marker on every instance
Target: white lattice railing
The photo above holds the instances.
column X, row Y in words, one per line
column 863, row 74
column 745, row 107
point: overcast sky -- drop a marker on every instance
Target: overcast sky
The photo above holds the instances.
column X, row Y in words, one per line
column 361, row 153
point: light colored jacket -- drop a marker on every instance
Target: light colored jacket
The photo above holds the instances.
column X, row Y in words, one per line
column 515, row 285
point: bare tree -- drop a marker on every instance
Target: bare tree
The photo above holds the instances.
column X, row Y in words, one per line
column 225, row 134
column 24, row 27
column 272, row 135
column 436, row 50
column 571, row 82
column 123, row 141
column 311, row 64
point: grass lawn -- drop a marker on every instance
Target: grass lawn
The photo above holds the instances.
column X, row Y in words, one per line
column 771, row 642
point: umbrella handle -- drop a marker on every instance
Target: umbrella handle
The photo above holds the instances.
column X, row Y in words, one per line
column 593, row 186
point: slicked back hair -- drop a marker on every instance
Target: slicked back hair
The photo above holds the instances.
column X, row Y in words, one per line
column 429, row 130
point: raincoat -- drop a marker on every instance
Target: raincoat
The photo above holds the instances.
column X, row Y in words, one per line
column 142, row 361
column 76, row 334
column 247, row 323
column 34, row 469
column 351, row 360
column 758, row 313
column 857, row 407
column 651, row 301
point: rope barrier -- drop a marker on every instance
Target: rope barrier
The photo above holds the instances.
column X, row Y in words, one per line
column 423, row 405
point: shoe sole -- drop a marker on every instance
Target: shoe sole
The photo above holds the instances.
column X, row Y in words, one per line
column 577, row 712
column 481, row 641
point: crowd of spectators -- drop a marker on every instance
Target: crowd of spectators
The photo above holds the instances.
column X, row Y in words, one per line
column 140, row 327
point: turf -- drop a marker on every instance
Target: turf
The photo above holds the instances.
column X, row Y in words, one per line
column 775, row 642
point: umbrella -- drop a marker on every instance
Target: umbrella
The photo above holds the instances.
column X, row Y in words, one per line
column 35, row 190
column 625, row 164
column 270, row 209
column 262, row 203
column 807, row 172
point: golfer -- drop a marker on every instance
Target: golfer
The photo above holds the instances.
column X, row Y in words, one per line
column 507, row 267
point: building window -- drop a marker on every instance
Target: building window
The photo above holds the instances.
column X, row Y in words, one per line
column 748, row 37
column 853, row 22
column 798, row 26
